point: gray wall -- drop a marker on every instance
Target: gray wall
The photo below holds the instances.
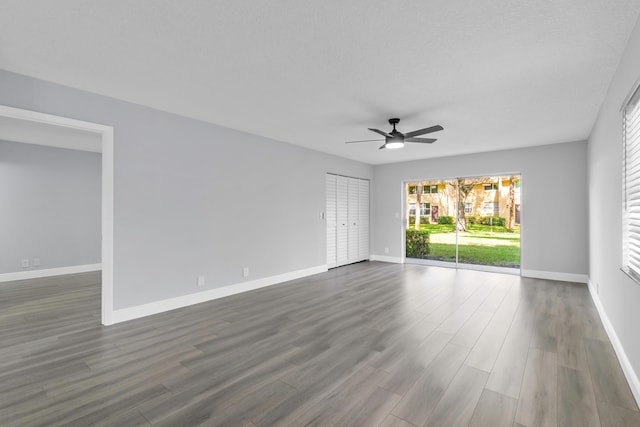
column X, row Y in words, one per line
column 619, row 295
column 193, row 198
column 545, row 171
column 50, row 206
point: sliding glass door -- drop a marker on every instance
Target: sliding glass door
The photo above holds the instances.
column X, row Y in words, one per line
column 430, row 218
column 464, row 221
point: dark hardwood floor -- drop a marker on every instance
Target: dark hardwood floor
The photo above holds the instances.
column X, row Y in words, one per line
column 368, row 344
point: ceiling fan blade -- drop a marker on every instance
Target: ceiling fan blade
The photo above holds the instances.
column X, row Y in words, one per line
column 435, row 128
column 363, row 140
column 422, row 140
column 386, row 135
column 383, row 146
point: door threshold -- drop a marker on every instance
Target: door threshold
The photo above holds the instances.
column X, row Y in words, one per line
column 463, row 266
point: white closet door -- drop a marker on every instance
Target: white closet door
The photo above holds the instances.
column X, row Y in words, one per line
column 332, row 220
column 342, row 215
column 354, row 193
column 347, row 220
column 363, row 220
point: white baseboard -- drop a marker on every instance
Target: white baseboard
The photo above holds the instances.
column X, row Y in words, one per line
column 627, row 368
column 553, row 275
column 48, row 272
column 156, row 307
column 384, row 258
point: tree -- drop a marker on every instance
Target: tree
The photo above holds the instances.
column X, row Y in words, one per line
column 418, row 193
column 511, row 204
column 465, row 187
column 418, row 205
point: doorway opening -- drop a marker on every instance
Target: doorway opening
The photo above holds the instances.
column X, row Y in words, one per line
column 467, row 222
column 47, row 122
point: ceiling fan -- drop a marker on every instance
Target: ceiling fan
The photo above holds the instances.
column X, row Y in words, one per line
column 395, row 139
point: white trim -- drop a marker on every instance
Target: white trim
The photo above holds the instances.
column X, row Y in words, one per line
column 48, row 272
column 385, row 258
column 554, row 275
column 627, row 368
column 106, row 133
column 156, row 307
column 627, row 98
column 108, row 167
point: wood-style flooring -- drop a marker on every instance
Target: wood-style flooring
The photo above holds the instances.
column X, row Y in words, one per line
column 364, row 345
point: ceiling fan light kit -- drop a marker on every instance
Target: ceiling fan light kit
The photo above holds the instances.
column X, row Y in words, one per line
column 396, row 139
column 393, row 144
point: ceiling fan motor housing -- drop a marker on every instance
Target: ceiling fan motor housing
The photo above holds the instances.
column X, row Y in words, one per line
column 397, row 138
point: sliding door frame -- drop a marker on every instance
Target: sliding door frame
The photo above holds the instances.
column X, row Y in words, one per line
column 456, row 264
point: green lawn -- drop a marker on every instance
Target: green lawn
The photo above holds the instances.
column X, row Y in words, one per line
column 482, row 244
column 499, row 256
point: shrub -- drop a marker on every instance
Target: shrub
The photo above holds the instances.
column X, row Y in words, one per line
column 417, row 243
column 423, row 219
column 471, row 219
column 486, row 220
column 444, row 219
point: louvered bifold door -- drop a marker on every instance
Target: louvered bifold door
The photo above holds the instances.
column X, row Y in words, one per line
column 354, row 194
column 331, row 221
column 342, row 216
column 363, row 220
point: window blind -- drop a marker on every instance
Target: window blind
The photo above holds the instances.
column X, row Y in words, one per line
column 631, row 168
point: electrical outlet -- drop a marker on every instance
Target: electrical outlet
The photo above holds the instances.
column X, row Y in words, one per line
column 386, row 250
column 25, row 263
column 245, row 272
column 36, row 262
column 200, row 281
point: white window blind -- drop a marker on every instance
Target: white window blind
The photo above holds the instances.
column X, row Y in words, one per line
column 631, row 186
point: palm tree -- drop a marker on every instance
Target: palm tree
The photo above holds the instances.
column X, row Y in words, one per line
column 418, row 205
column 511, row 204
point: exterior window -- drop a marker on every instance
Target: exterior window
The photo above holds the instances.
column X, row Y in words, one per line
column 489, row 187
column 425, row 209
column 467, row 208
column 426, row 189
column 491, row 208
column 631, row 188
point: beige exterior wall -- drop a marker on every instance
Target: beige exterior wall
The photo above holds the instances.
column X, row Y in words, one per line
column 445, row 198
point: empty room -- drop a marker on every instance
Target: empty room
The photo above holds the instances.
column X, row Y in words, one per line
column 388, row 213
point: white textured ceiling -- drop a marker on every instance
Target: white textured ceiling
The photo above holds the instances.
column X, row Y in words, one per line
column 496, row 74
